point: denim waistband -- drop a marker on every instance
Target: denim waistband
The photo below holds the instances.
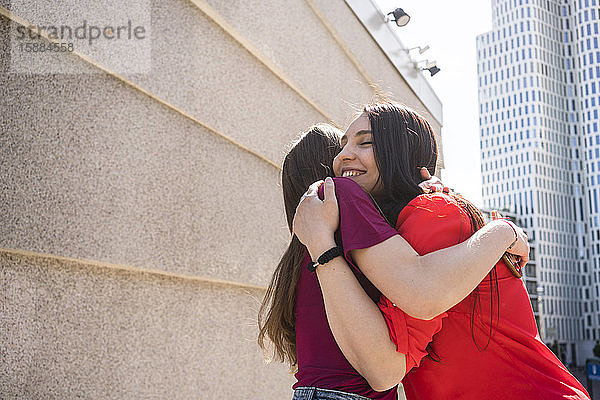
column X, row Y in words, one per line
column 312, row 393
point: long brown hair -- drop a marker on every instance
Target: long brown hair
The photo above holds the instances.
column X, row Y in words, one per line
column 309, row 160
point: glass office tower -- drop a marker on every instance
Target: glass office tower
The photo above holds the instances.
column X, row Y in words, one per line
column 539, row 83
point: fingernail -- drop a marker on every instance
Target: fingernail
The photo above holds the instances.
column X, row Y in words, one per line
column 328, row 179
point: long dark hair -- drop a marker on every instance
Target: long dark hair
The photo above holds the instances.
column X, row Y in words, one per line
column 404, row 142
column 310, row 159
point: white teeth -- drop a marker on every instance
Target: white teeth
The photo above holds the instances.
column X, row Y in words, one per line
column 351, row 173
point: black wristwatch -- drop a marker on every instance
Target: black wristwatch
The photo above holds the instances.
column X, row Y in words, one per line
column 325, row 258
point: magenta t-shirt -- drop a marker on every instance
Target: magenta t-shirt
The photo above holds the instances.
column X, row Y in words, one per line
column 321, row 363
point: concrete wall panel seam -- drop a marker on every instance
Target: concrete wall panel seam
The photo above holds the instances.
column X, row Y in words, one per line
column 212, row 14
column 353, row 59
column 126, row 268
column 21, row 21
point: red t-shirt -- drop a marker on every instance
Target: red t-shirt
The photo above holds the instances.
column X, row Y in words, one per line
column 516, row 364
column 320, row 361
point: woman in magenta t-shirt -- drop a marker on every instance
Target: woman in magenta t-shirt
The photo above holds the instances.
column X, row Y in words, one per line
column 488, row 346
column 293, row 313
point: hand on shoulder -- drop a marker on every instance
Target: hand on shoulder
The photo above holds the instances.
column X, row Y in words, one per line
column 316, row 220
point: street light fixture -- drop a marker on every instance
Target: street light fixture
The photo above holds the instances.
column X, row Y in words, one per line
column 430, row 66
column 400, row 17
column 421, row 49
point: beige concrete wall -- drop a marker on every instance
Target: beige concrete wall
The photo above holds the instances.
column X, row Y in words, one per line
column 72, row 329
column 141, row 214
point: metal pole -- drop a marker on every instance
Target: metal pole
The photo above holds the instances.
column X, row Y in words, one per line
column 590, row 383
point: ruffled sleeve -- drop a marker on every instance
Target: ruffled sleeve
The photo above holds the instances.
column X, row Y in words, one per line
column 410, row 335
column 428, row 223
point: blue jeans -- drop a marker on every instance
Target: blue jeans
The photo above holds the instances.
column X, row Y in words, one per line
column 311, row 393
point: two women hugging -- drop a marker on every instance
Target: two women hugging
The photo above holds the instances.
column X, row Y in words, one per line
column 386, row 282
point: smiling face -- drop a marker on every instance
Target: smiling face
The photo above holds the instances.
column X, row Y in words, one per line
column 357, row 158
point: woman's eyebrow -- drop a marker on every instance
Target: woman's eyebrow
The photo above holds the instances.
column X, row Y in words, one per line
column 344, row 139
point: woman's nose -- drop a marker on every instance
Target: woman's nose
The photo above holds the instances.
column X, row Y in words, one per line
column 346, row 153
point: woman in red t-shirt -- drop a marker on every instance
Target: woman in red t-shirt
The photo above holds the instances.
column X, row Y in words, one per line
column 322, row 364
column 488, row 346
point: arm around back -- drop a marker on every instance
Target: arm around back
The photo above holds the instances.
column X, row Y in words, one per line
column 422, row 286
column 430, row 282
